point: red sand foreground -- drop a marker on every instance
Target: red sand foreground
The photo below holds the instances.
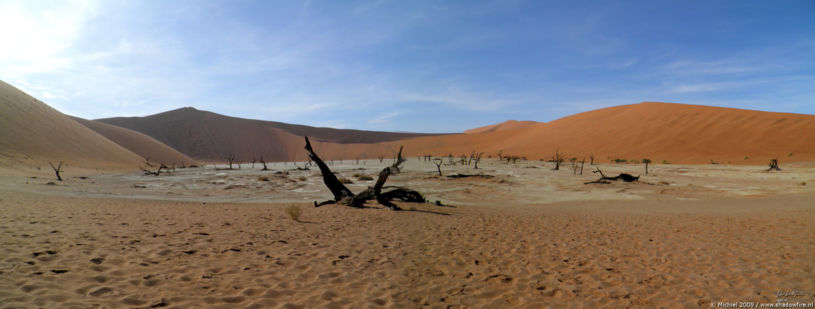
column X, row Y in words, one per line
column 683, row 237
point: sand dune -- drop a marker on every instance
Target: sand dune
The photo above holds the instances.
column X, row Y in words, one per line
column 506, row 125
column 142, row 145
column 662, row 132
column 210, row 136
column 676, row 133
column 32, row 133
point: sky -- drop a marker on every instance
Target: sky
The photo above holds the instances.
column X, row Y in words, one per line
column 408, row 66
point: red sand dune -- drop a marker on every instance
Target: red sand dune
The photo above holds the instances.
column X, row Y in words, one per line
column 677, row 133
column 506, row 125
column 32, row 133
column 212, row 137
column 143, row 145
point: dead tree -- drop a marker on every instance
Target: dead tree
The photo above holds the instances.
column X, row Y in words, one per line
column 265, row 168
column 57, row 169
column 438, row 162
column 342, row 195
column 581, row 166
column 231, row 158
column 646, row 161
column 573, row 161
column 558, row 158
column 773, row 164
column 500, row 155
column 476, row 159
column 591, row 157
column 606, row 180
column 450, row 158
column 157, row 172
column 381, row 158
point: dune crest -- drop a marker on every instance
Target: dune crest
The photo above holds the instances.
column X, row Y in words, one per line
column 32, row 133
column 143, row 145
column 506, row 125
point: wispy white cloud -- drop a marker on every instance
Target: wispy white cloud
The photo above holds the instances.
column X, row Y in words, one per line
column 383, row 118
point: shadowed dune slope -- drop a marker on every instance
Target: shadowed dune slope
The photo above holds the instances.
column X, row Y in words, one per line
column 506, row 125
column 143, row 145
column 210, row 136
column 32, row 133
column 677, row 133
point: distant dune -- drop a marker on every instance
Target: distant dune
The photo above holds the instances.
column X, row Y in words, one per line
column 211, row 137
column 506, row 125
column 662, row 132
column 670, row 132
column 32, row 133
column 143, row 145
column 677, row 133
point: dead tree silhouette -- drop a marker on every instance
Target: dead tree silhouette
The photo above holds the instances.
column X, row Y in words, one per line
column 606, row 180
column 773, row 164
column 57, row 169
column 342, row 195
column 438, row 162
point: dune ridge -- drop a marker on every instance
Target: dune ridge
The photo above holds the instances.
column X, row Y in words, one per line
column 32, row 133
column 211, row 137
column 143, row 145
column 506, row 125
column 675, row 133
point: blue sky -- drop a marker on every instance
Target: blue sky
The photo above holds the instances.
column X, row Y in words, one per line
column 423, row 66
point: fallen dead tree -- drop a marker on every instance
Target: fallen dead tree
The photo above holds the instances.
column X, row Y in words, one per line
column 382, row 194
column 606, row 180
column 161, row 168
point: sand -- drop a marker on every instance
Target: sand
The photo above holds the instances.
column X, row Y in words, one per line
column 527, row 237
column 676, row 133
column 140, row 144
column 32, row 134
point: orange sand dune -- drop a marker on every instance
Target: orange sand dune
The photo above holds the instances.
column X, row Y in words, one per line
column 32, row 133
column 676, row 133
column 143, row 145
column 506, row 125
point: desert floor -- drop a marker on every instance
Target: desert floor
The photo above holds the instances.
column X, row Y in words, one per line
column 521, row 236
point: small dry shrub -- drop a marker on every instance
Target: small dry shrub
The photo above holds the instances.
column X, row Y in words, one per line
column 302, row 178
column 263, row 178
column 294, row 212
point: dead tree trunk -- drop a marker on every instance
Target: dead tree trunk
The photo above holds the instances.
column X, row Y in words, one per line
column 477, row 159
column 57, row 169
column 581, row 166
column 606, row 180
column 558, row 159
column 773, row 164
column 231, row 158
column 264, row 163
column 157, row 172
column 438, row 163
column 343, row 195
